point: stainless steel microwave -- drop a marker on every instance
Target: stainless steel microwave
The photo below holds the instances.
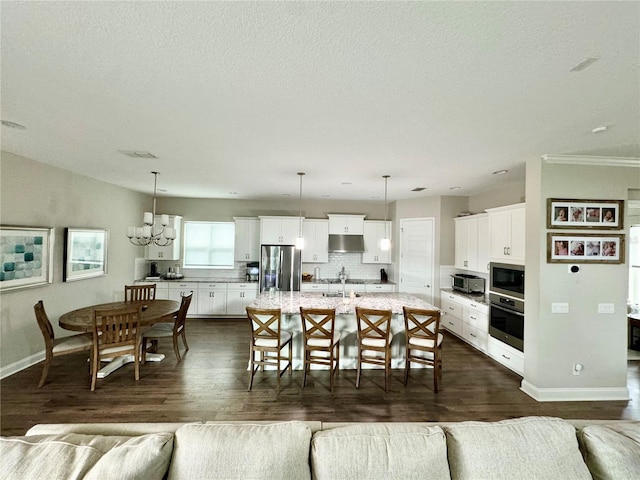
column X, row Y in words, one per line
column 507, row 279
column 467, row 283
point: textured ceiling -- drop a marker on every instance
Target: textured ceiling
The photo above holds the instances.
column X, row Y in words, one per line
column 240, row 96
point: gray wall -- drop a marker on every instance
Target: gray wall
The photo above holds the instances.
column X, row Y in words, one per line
column 37, row 195
column 555, row 342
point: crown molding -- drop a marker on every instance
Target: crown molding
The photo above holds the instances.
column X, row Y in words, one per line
column 592, row 160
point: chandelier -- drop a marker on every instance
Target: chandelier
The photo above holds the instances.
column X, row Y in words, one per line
column 151, row 233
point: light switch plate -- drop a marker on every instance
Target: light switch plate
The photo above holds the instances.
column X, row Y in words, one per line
column 606, row 308
column 559, row 308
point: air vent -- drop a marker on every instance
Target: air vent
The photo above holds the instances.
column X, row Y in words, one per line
column 137, row 154
column 419, row 189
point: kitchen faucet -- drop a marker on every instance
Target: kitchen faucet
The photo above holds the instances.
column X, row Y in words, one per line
column 342, row 276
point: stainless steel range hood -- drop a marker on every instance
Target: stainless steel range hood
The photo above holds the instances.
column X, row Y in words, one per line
column 346, row 243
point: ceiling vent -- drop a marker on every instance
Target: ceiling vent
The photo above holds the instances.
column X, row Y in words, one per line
column 137, row 154
column 419, row 189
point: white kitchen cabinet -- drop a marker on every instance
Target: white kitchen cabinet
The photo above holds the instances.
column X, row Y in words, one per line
column 170, row 252
column 506, row 230
column 475, row 323
column 179, row 289
column 240, row 296
column 314, row 287
column 212, row 299
column 247, row 242
column 451, row 317
column 162, row 291
column 279, row 230
column 380, row 288
column 162, row 288
column 506, row 355
column 348, row 288
column 472, row 243
column 374, row 231
column 316, row 241
column 346, row 224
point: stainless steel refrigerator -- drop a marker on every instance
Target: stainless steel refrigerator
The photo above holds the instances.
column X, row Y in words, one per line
column 280, row 268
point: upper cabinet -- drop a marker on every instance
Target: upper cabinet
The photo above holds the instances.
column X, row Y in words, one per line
column 346, row 224
column 279, row 230
column 374, row 231
column 316, row 241
column 247, row 243
column 506, row 230
column 472, row 243
column 170, row 252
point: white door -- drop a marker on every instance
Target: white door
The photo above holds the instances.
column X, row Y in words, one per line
column 416, row 257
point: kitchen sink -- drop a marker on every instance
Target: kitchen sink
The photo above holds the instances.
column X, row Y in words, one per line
column 337, row 294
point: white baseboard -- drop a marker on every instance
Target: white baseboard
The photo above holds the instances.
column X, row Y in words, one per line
column 574, row 394
column 21, row 364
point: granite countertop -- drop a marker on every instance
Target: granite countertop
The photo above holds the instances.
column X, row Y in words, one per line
column 199, row 279
column 354, row 281
column 290, row 302
column 482, row 298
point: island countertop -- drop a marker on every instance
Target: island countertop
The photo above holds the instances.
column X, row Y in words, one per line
column 290, row 302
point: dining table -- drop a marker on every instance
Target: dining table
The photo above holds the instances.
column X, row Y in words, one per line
column 153, row 311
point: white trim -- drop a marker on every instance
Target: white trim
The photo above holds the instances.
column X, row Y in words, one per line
column 593, row 160
column 21, row 364
column 574, row 394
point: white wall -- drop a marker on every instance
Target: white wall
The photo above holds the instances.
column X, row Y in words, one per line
column 555, row 342
column 35, row 194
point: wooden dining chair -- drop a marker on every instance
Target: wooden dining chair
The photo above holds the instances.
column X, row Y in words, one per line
column 423, row 341
column 116, row 332
column 321, row 341
column 55, row 347
column 374, row 340
column 139, row 293
column 174, row 329
column 268, row 340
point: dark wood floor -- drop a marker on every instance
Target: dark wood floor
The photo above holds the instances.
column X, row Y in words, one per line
column 211, row 384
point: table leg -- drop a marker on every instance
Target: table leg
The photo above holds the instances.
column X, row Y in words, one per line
column 118, row 362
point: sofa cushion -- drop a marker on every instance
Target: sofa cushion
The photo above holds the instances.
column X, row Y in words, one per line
column 524, row 448
column 246, row 451
column 367, row 451
column 70, row 456
column 612, row 451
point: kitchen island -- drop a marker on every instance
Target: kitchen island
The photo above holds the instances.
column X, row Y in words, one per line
column 290, row 302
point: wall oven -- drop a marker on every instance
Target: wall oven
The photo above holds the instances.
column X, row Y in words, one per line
column 506, row 320
column 506, row 279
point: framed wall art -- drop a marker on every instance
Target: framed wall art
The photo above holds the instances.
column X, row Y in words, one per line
column 596, row 214
column 585, row 248
column 85, row 253
column 27, row 257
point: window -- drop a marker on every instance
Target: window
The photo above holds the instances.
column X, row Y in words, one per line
column 209, row 244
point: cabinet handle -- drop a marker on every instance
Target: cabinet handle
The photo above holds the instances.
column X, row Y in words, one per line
column 473, row 305
column 451, row 308
column 473, row 335
column 466, row 263
column 472, row 317
column 508, row 358
column 450, row 323
column 504, row 250
column 508, row 250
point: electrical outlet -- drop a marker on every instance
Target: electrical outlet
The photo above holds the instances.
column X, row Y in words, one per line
column 577, row 368
column 606, row 308
column 559, row 308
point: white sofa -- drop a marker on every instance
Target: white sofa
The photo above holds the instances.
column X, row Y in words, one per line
column 524, row 448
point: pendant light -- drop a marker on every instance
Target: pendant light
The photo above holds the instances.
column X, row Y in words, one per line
column 300, row 239
column 385, row 243
column 147, row 234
